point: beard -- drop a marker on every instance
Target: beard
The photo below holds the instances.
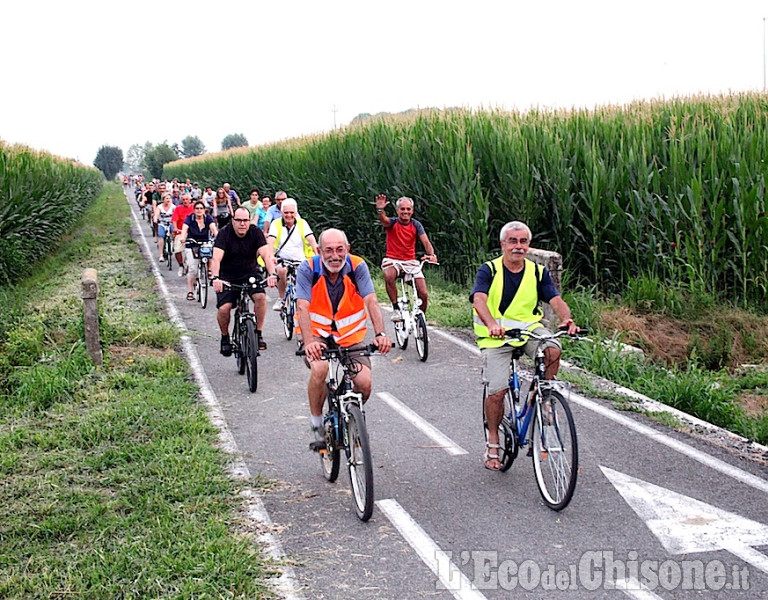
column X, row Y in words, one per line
column 334, row 265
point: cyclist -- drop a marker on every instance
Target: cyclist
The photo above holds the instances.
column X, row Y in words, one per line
column 506, row 296
column 253, row 204
column 222, row 208
column 292, row 239
column 200, row 227
column 402, row 232
column 261, row 214
column 235, row 254
column 233, row 197
column 162, row 219
column 334, row 292
column 208, row 197
column 182, row 211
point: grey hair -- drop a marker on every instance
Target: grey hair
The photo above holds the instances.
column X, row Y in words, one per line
column 400, row 201
column 514, row 226
column 288, row 202
column 332, row 230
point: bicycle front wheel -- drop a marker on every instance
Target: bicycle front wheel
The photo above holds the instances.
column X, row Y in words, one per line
column 329, row 458
column 401, row 334
column 422, row 340
column 359, row 463
column 202, row 279
column 251, row 356
column 287, row 316
column 238, row 344
column 555, row 450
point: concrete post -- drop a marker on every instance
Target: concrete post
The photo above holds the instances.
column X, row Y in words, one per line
column 90, row 293
column 554, row 263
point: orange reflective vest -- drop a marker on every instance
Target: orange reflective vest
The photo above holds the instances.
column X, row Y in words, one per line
column 347, row 326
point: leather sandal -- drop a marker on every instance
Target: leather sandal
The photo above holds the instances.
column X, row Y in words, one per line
column 492, row 455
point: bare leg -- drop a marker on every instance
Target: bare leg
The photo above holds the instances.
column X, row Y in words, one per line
column 223, row 316
column 421, row 290
column 494, row 411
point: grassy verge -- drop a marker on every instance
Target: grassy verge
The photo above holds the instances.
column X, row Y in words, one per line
column 113, row 486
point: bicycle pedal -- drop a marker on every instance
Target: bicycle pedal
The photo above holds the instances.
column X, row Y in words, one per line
column 318, row 447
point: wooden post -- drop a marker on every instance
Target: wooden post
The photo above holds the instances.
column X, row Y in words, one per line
column 554, row 263
column 90, row 294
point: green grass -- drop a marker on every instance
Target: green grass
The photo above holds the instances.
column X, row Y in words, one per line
column 113, row 485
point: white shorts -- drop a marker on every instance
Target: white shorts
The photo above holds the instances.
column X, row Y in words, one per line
column 404, row 267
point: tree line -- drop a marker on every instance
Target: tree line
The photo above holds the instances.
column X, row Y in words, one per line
column 150, row 158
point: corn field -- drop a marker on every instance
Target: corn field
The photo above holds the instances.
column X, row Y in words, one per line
column 673, row 189
column 41, row 197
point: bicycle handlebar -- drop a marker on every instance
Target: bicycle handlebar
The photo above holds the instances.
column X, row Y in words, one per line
column 340, row 352
column 517, row 334
column 253, row 283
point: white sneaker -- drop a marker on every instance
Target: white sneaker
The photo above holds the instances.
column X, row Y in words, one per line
column 278, row 306
column 396, row 316
column 181, row 271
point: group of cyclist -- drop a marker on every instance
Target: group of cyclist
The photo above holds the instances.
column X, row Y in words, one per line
column 334, row 289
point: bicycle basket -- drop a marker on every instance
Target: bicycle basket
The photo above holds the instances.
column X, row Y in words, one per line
column 206, row 251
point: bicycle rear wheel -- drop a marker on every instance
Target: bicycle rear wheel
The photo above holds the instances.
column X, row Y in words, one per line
column 422, row 339
column 555, row 450
column 359, row 463
column 507, row 436
column 329, row 458
column 168, row 251
column 202, row 279
column 251, row 356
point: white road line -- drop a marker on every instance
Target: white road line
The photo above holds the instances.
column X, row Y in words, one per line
column 663, row 439
column 425, row 427
column 285, row 585
column 634, row 589
column 436, row 559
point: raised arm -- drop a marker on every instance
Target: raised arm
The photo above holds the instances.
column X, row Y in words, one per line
column 381, row 203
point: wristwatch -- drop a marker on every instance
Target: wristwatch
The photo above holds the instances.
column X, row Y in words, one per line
column 379, row 210
column 381, row 334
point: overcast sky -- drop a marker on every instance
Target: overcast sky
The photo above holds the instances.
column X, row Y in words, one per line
column 81, row 74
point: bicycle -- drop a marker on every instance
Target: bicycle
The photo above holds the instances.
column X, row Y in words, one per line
column 168, row 247
column 203, row 253
column 409, row 304
column 245, row 342
column 553, row 441
column 344, row 425
column 288, row 310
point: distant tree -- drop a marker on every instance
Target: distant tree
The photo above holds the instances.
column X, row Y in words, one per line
column 233, row 140
column 134, row 158
column 192, row 146
column 109, row 160
column 157, row 156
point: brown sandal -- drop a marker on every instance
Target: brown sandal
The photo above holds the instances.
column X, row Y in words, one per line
column 489, row 456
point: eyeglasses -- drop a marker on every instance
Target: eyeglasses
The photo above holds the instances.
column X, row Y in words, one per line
column 513, row 241
column 241, row 220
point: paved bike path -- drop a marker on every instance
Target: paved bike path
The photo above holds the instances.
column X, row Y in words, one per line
column 463, row 508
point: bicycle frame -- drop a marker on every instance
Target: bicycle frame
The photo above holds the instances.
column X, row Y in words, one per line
column 288, row 311
column 545, row 413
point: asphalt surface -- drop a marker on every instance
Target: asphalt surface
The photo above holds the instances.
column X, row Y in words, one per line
column 682, row 517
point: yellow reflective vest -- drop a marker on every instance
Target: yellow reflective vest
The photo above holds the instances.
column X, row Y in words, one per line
column 522, row 313
column 308, row 252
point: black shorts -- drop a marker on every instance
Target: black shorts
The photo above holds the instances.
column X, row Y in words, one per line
column 231, row 296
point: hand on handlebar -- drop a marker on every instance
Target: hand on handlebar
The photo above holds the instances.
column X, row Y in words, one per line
column 314, row 350
column 383, row 343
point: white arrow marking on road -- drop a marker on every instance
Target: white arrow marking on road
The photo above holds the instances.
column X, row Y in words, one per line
column 683, row 524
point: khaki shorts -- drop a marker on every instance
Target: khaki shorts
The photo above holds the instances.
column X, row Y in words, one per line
column 496, row 362
column 177, row 245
